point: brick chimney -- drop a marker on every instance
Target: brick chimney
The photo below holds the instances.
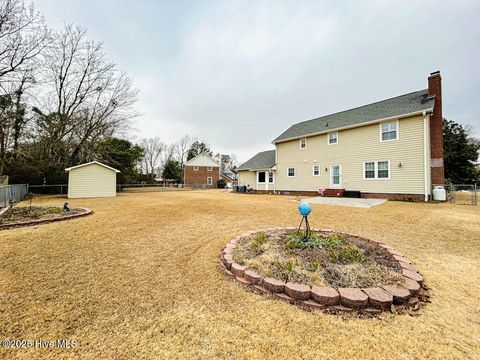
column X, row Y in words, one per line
column 436, row 129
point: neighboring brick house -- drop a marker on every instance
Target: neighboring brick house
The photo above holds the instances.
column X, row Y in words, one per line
column 201, row 171
column 390, row 149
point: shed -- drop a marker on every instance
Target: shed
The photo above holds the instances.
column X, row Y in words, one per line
column 92, row 179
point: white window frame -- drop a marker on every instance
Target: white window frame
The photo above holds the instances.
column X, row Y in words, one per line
column 300, row 143
column 273, row 177
column 365, row 170
column 313, row 170
column 195, row 168
column 376, row 170
column 397, row 128
column 209, row 180
column 288, row 172
column 209, row 168
column 337, row 186
column 328, row 138
column 258, row 177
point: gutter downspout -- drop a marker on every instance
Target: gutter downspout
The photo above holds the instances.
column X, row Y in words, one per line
column 275, row 172
column 425, row 153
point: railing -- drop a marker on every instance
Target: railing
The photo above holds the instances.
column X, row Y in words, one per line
column 12, row 192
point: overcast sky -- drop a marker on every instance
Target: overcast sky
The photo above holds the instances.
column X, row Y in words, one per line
column 238, row 73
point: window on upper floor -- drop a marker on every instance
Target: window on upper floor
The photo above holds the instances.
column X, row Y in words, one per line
column 316, row 170
column 333, row 138
column 195, row 168
column 291, row 172
column 209, row 168
column 376, row 170
column 303, row 143
column 389, row 131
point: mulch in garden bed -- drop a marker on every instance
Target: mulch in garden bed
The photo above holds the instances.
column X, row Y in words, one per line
column 325, row 259
column 24, row 214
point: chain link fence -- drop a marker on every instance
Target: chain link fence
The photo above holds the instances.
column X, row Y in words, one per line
column 462, row 194
column 57, row 189
column 12, row 192
column 149, row 187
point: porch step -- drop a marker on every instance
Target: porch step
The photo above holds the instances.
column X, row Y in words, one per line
column 333, row 192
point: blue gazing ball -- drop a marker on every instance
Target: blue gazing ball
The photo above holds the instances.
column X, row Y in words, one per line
column 304, row 209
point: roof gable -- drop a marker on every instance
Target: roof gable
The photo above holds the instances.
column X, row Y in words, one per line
column 263, row 160
column 91, row 163
column 202, row 159
column 414, row 102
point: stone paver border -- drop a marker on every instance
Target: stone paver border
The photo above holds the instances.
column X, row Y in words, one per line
column 86, row 212
column 369, row 300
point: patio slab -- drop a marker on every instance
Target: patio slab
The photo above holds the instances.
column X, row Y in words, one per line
column 354, row 202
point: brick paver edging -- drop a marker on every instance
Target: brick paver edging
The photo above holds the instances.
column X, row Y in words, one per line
column 85, row 212
column 369, row 300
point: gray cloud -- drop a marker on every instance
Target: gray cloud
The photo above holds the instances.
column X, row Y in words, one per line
column 238, row 73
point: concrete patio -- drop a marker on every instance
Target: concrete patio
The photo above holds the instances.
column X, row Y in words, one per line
column 353, row 202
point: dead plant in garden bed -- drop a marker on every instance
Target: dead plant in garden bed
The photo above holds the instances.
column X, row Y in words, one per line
column 323, row 259
column 23, row 214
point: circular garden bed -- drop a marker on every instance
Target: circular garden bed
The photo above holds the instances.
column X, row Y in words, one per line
column 35, row 215
column 329, row 270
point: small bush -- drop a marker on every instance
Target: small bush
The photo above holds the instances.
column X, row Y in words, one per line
column 221, row 184
column 258, row 243
column 334, row 241
column 296, row 241
column 348, row 255
column 287, row 266
column 315, row 266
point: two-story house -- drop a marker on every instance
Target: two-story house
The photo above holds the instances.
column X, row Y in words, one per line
column 390, row 149
column 201, row 171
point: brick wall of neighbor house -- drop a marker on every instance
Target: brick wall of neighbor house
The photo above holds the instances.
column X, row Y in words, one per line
column 199, row 177
column 436, row 129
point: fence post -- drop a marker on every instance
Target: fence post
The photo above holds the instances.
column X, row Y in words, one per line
column 475, row 194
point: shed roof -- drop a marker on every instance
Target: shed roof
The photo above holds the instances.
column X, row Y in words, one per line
column 263, row 160
column 414, row 102
column 91, row 163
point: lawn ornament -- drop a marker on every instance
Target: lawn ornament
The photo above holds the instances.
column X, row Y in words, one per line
column 304, row 209
column 65, row 207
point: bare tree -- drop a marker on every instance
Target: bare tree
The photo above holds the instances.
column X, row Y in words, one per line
column 23, row 36
column 86, row 98
column 153, row 149
column 182, row 146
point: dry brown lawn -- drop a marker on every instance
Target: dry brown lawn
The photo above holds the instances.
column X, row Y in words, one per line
column 140, row 279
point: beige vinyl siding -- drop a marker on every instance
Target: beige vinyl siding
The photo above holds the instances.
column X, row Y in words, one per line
column 250, row 178
column 356, row 146
column 246, row 177
column 91, row 181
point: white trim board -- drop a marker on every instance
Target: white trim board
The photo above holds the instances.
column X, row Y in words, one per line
column 91, row 163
